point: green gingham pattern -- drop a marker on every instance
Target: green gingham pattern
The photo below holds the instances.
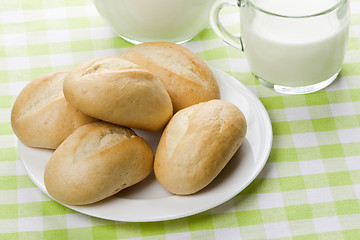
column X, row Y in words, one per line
column 309, row 188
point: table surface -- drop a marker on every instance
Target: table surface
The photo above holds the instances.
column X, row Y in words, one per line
column 308, row 189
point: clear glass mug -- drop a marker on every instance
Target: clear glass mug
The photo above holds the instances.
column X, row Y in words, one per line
column 156, row 20
column 292, row 46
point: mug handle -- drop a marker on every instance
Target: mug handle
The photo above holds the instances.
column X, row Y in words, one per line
column 219, row 29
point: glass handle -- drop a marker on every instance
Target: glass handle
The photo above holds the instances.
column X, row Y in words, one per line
column 217, row 26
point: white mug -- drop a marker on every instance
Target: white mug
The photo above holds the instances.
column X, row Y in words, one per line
column 156, row 20
column 292, row 46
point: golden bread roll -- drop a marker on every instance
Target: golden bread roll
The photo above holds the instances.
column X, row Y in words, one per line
column 196, row 145
column 95, row 162
column 186, row 77
column 41, row 117
column 118, row 91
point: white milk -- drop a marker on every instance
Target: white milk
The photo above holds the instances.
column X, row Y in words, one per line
column 294, row 52
column 156, row 20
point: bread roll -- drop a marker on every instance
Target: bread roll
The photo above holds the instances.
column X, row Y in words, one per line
column 197, row 144
column 41, row 117
column 117, row 91
column 95, row 162
column 186, row 77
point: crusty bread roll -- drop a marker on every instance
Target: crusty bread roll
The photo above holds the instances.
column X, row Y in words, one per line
column 196, row 145
column 186, row 77
column 118, row 91
column 41, row 117
column 95, row 162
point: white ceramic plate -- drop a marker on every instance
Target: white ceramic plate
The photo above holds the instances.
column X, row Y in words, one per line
column 148, row 201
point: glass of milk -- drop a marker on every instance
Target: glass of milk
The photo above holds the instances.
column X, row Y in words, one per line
column 156, row 20
column 292, row 46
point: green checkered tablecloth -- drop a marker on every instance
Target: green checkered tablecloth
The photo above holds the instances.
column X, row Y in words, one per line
column 308, row 189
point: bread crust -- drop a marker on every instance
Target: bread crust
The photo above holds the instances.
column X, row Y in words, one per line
column 186, row 77
column 41, row 116
column 117, row 91
column 197, row 144
column 95, row 162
